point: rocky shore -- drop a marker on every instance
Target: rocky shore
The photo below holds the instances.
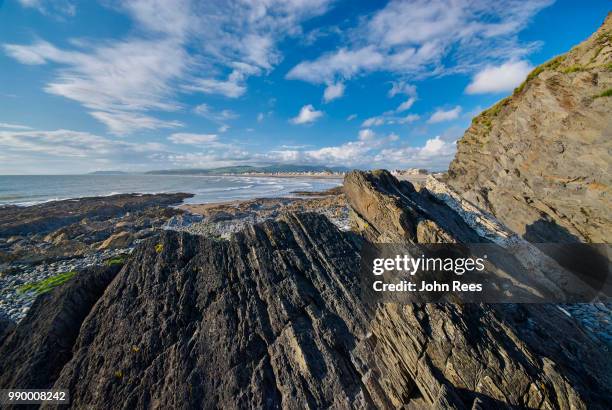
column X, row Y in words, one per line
column 222, row 220
column 258, row 304
column 265, row 314
column 47, row 242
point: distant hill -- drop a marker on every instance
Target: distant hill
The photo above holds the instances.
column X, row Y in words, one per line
column 245, row 169
column 107, row 173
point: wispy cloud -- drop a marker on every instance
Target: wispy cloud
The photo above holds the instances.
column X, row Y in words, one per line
column 426, row 38
column 67, row 143
column 193, row 139
column 204, row 110
column 441, row 115
column 14, row 126
column 51, row 7
column 125, row 122
column 390, row 118
column 172, row 44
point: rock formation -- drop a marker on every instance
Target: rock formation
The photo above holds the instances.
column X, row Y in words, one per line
column 70, row 228
column 452, row 355
column 35, row 351
column 16, row 220
column 540, row 159
column 272, row 319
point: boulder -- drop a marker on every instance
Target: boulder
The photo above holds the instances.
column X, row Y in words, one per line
column 117, row 240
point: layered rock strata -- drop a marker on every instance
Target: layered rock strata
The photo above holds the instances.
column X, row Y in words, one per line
column 272, row 318
column 540, row 159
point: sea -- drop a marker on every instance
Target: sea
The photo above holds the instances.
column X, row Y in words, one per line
column 34, row 189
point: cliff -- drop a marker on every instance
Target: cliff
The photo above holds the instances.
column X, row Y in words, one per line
column 540, row 159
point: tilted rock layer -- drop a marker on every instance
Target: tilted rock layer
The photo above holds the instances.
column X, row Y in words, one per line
column 272, row 318
column 540, row 160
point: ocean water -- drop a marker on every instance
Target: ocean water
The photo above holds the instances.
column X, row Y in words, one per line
column 33, row 189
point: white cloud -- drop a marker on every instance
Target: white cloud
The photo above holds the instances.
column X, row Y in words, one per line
column 204, row 110
column 67, row 143
column 373, row 121
column 406, row 105
column 307, row 115
column 170, row 46
column 351, row 117
column 126, row 122
column 408, row 119
column 333, row 91
column 373, row 152
column 260, row 117
column 497, row 79
column 233, row 87
column 366, row 134
column 343, row 63
column 224, row 128
column 193, row 139
column 436, row 154
column 55, row 7
column 14, row 126
column 402, row 87
column 389, row 118
column 441, row 115
column 427, row 37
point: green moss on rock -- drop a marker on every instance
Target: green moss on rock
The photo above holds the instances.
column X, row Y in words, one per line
column 48, row 284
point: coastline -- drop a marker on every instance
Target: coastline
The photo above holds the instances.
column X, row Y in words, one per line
column 35, row 190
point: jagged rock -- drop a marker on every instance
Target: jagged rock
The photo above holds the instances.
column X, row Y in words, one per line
column 73, row 228
column 6, row 326
column 272, row 318
column 38, row 348
column 268, row 319
column 469, row 355
column 540, row 159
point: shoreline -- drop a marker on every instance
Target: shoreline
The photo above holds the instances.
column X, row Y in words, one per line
column 259, row 186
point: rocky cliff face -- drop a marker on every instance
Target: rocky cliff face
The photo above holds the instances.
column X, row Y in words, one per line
column 540, row 159
column 272, row 318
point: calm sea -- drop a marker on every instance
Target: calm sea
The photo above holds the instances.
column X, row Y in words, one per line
column 32, row 189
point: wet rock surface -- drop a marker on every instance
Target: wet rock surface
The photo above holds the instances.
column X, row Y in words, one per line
column 540, row 159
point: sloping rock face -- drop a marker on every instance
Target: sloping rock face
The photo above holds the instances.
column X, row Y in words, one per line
column 267, row 320
column 272, row 319
column 540, row 159
column 450, row 355
column 35, row 352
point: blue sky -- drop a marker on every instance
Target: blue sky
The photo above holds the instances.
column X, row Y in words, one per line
column 154, row 84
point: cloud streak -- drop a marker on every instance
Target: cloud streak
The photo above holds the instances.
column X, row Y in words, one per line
column 123, row 83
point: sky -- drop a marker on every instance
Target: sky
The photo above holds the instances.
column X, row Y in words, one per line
column 136, row 85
